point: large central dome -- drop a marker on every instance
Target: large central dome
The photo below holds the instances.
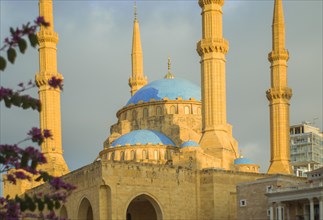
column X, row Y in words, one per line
column 167, row 88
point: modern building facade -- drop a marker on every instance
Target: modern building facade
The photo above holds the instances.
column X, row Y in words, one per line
column 306, row 148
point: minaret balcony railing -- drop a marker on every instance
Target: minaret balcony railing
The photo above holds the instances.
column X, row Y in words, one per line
column 212, row 45
column 278, row 55
column 207, row 2
column 274, row 93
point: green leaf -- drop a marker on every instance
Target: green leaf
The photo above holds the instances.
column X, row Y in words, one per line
column 41, row 205
column 3, row 63
column 16, row 99
column 7, row 102
column 22, row 45
column 12, row 31
column 11, row 53
column 57, row 204
column 24, row 160
column 50, row 205
column 33, row 39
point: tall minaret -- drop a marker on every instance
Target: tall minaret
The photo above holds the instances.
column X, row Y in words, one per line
column 217, row 137
column 279, row 95
column 137, row 79
column 50, row 114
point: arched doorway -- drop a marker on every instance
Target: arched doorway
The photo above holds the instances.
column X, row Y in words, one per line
column 85, row 210
column 143, row 207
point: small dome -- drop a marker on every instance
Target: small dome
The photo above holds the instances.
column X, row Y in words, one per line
column 170, row 88
column 143, row 137
column 190, row 144
column 242, row 160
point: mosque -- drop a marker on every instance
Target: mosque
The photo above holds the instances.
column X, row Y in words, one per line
column 171, row 154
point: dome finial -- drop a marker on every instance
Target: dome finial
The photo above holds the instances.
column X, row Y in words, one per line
column 169, row 75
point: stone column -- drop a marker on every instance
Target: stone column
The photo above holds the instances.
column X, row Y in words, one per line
column 279, row 211
column 271, row 209
column 311, row 209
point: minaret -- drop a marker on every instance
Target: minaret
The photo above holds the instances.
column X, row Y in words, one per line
column 50, row 114
column 217, row 137
column 279, row 95
column 137, row 79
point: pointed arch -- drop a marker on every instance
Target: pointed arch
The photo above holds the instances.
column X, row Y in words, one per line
column 146, row 202
column 85, row 211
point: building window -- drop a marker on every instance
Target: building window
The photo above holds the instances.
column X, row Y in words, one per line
column 122, row 155
column 158, row 110
column 134, row 115
column 145, row 113
column 187, row 110
column 145, row 155
column 173, row 109
column 156, row 155
column 112, row 156
column 268, row 212
column 269, row 188
column 133, row 155
column 243, row 202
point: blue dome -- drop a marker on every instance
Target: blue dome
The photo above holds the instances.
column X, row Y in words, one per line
column 167, row 88
column 190, row 144
column 142, row 137
column 239, row 161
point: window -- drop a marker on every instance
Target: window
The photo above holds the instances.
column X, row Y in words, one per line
column 172, row 109
column 187, row 110
column 269, row 188
column 145, row 113
column 243, row 202
column 133, row 155
column 134, row 115
column 112, row 156
column 156, row 155
column 158, row 110
column 122, row 155
column 144, row 155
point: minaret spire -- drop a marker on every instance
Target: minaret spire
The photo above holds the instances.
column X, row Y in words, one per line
column 50, row 114
column 279, row 95
column 137, row 79
column 217, row 137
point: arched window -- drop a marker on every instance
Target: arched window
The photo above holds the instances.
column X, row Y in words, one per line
column 122, row 155
column 124, row 116
column 145, row 113
column 172, row 109
column 133, row 155
column 187, row 110
column 112, row 156
column 158, row 110
column 134, row 115
column 144, row 154
column 156, row 155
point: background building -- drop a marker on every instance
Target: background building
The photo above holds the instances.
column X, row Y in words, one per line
column 306, row 148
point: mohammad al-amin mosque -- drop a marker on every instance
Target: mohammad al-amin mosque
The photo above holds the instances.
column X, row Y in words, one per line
column 171, row 154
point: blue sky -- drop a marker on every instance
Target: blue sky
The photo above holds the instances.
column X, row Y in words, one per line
column 94, row 57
